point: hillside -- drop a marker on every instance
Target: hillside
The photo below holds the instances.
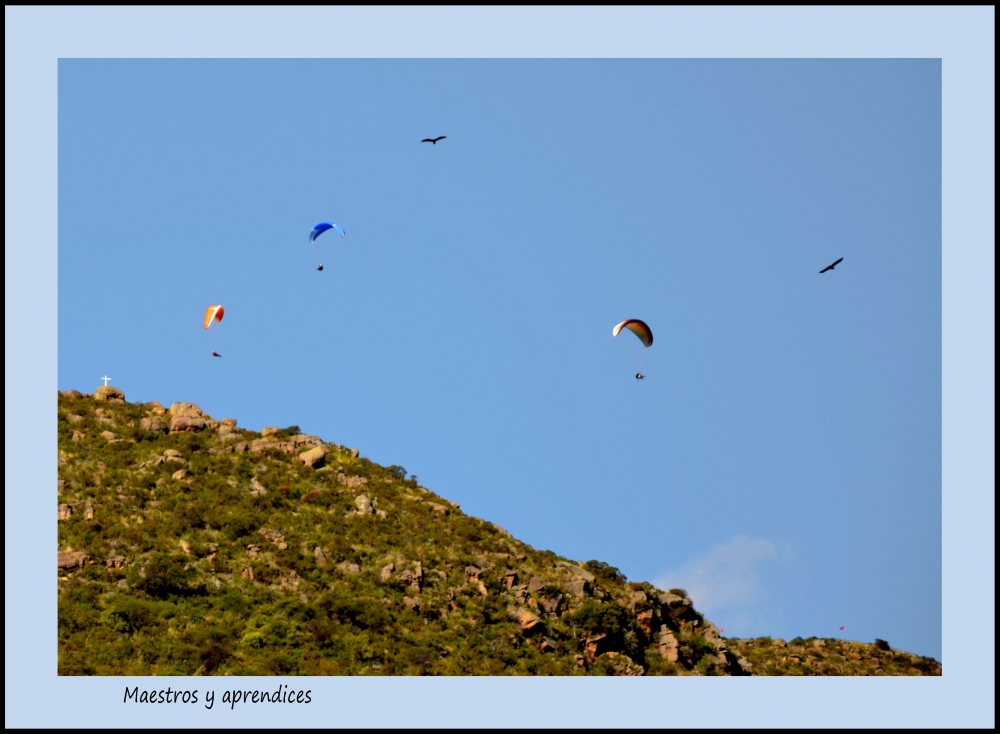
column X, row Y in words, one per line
column 190, row 546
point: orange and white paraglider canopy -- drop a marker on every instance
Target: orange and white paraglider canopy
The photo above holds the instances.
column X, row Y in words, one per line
column 213, row 313
column 638, row 328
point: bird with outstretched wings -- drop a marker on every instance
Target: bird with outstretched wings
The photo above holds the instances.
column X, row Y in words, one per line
column 434, row 140
column 832, row 266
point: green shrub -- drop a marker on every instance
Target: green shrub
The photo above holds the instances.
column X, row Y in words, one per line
column 164, row 575
column 606, row 575
column 128, row 615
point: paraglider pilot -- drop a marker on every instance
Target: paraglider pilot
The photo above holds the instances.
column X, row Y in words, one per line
column 640, row 376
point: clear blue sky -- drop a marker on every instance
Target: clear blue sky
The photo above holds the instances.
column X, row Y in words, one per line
column 782, row 460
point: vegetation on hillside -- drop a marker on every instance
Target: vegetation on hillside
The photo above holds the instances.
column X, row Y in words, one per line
column 208, row 549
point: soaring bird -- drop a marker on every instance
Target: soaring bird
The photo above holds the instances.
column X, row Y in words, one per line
column 831, row 267
column 434, row 140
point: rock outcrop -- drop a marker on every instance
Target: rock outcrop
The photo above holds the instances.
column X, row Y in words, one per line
column 109, row 393
column 72, row 560
column 189, row 424
column 314, row 458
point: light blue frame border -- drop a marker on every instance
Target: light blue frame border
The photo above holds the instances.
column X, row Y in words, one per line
column 36, row 37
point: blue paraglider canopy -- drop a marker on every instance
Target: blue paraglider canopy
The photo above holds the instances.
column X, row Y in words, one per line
column 323, row 227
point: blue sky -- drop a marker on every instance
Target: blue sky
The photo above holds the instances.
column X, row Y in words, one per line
column 782, row 460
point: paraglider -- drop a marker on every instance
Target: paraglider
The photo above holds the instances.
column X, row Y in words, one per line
column 831, row 267
column 434, row 140
column 320, row 229
column 323, row 227
column 841, row 628
column 642, row 332
column 638, row 328
column 214, row 313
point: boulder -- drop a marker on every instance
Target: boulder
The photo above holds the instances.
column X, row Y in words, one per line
column 88, row 510
column 350, row 568
column 107, row 435
column 179, row 475
column 645, row 620
column 78, row 436
column 182, row 423
column 411, row 603
column 577, row 571
column 320, row 556
column 551, row 605
column 155, row 408
column 668, row 646
column 186, row 410
column 547, row 645
column 73, row 394
column 364, row 504
column 314, row 458
column 594, row 646
column 535, row 583
column 510, row 578
column 351, row 482
column 354, row 453
column 65, row 512
column 527, row 620
column 154, row 424
column 230, row 422
column 109, row 394
column 386, row 573
column 304, row 439
column 267, row 444
column 438, row 508
column 73, row 418
column 637, row 598
column 269, row 430
column 472, row 574
column 72, row 560
column 578, row 588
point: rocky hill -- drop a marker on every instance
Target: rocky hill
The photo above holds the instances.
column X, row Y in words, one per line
column 190, row 546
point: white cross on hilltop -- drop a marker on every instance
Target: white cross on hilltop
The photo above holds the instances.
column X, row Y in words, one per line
column 105, row 378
